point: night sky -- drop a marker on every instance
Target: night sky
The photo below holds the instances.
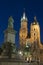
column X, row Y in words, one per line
column 15, row 8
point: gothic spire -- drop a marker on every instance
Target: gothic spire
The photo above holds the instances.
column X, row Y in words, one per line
column 24, row 17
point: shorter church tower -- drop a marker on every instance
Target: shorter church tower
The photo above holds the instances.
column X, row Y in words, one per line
column 23, row 30
column 35, row 31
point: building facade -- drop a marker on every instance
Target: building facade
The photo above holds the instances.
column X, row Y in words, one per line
column 34, row 31
column 30, row 49
column 33, row 38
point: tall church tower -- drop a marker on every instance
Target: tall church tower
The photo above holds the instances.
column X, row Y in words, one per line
column 35, row 31
column 23, row 30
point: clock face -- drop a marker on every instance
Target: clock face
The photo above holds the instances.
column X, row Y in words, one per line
column 11, row 38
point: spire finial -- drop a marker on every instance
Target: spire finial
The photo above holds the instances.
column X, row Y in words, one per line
column 35, row 18
column 24, row 9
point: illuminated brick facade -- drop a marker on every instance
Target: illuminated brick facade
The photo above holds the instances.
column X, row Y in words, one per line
column 34, row 32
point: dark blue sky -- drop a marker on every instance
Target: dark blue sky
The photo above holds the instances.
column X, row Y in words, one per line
column 15, row 8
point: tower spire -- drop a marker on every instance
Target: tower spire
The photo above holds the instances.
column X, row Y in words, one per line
column 24, row 16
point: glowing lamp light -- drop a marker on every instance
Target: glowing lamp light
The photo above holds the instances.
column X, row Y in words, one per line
column 20, row 53
column 27, row 59
column 27, row 46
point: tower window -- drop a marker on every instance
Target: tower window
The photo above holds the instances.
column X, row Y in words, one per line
column 34, row 34
column 34, row 29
